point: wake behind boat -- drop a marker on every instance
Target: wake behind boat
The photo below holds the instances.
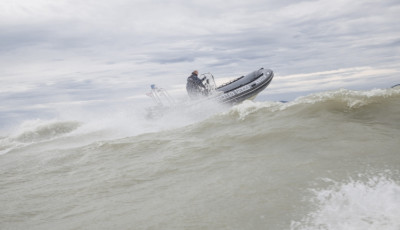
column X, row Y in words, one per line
column 234, row 92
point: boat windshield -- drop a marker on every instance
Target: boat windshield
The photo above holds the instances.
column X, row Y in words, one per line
column 209, row 81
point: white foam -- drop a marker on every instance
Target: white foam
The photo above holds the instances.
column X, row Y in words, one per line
column 373, row 203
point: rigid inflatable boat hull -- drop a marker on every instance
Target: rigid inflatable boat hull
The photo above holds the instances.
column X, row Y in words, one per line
column 245, row 87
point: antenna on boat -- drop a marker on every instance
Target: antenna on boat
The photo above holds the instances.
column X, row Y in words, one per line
column 159, row 95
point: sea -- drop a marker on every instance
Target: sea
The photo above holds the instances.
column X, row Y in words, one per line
column 328, row 160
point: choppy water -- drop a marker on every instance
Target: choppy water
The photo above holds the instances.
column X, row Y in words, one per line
column 329, row 160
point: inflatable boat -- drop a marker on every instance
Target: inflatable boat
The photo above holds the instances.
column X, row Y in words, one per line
column 234, row 92
column 396, row 86
column 243, row 88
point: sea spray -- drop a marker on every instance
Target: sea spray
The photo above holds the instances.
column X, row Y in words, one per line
column 368, row 202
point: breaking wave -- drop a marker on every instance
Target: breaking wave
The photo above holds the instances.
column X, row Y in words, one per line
column 367, row 202
column 36, row 131
column 371, row 106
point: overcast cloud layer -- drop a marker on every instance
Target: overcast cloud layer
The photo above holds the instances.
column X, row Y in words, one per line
column 65, row 52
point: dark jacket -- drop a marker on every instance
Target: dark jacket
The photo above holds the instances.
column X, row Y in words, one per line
column 194, row 86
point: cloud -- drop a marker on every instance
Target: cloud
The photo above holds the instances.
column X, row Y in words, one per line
column 356, row 78
column 117, row 49
column 180, row 31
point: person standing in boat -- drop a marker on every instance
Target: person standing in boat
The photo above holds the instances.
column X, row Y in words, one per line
column 195, row 86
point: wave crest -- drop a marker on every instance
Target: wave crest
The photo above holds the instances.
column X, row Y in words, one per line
column 31, row 132
column 46, row 131
column 342, row 100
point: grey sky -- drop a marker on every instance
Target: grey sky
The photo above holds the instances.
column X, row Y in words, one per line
column 114, row 49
